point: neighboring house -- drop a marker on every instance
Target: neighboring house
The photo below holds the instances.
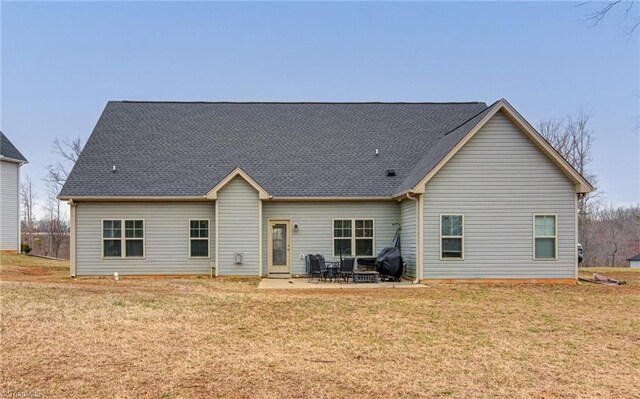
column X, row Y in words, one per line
column 634, row 262
column 10, row 161
column 250, row 188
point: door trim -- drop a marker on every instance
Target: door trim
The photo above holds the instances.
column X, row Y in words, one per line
column 270, row 223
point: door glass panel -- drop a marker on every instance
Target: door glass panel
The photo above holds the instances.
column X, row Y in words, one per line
column 279, row 244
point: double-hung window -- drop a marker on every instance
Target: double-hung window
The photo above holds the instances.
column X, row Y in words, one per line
column 199, row 238
column 451, row 236
column 134, row 238
column 112, row 238
column 545, row 234
column 353, row 237
column 115, row 244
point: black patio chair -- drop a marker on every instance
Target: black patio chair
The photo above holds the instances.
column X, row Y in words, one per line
column 323, row 267
column 307, row 264
column 346, row 268
column 315, row 269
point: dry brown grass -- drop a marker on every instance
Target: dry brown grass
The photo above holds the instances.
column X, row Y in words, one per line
column 197, row 338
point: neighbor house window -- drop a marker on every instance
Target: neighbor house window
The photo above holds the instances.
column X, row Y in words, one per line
column 451, row 236
column 545, row 237
column 353, row 237
column 127, row 245
column 199, row 238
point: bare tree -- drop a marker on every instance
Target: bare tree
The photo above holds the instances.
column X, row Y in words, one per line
column 626, row 7
column 28, row 199
column 614, row 234
column 69, row 151
column 572, row 138
column 55, row 220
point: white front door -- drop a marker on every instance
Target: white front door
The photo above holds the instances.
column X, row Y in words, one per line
column 279, row 247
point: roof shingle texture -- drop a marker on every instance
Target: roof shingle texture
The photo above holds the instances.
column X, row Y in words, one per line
column 8, row 150
column 290, row 149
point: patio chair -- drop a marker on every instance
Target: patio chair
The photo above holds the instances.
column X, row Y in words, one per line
column 346, row 268
column 307, row 264
column 323, row 267
column 315, row 269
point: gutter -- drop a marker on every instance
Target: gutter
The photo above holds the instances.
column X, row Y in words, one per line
column 14, row 160
column 418, row 252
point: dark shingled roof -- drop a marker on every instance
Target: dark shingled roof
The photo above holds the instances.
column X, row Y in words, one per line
column 290, row 149
column 637, row 257
column 8, row 150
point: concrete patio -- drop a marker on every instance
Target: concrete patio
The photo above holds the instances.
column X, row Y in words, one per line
column 302, row 283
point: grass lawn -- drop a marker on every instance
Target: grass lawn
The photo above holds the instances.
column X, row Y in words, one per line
column 198, row 337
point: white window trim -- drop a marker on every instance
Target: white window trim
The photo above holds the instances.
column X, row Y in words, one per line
column 123, row 240
column 200, row 238
column 353, row 237
column 555, row 237
column 441, row 236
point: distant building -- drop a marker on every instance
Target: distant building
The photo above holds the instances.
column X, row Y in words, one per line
column 10, row 161
column 634, row 262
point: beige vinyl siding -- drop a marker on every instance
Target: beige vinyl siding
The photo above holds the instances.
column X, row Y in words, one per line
column 238, row 220
column 498, row 180
column 166, row 236
column 315, row 220
column 408, row 235
column 9, row 209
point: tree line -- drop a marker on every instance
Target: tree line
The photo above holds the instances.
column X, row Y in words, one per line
column 609, row 234
column 49, row 235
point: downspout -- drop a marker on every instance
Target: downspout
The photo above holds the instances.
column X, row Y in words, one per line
column 72, row 238
column 418, row 254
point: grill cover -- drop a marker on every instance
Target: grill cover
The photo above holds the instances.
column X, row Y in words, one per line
column 389, row 263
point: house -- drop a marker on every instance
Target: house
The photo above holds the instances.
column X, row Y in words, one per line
column 250, row 188
column 634, row 262
column 10, row 162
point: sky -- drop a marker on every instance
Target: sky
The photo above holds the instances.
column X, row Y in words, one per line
column 61, row 63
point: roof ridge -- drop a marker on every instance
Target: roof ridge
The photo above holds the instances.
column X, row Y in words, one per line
column 463, row 123
column 296, row 102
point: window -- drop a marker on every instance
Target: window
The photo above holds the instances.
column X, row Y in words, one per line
column 353, row 237
column 451, row 237
column 199, row 238
column 117, row 245
column 544, row 233
column 134, row 238
column 111, row 238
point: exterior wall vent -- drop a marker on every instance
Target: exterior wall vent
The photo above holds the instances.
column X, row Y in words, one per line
column 237, row 257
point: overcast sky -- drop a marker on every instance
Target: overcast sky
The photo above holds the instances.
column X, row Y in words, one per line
column 61, row 63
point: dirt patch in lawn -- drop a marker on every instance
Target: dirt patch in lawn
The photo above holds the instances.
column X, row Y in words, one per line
column 194, row 338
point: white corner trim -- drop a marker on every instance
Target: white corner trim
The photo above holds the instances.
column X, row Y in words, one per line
column 217, row 238
column 72, row 238
column 260, row 267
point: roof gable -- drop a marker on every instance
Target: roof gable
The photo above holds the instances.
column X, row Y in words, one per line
column 461, row 135
column 9, row 152
column 237, row 172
